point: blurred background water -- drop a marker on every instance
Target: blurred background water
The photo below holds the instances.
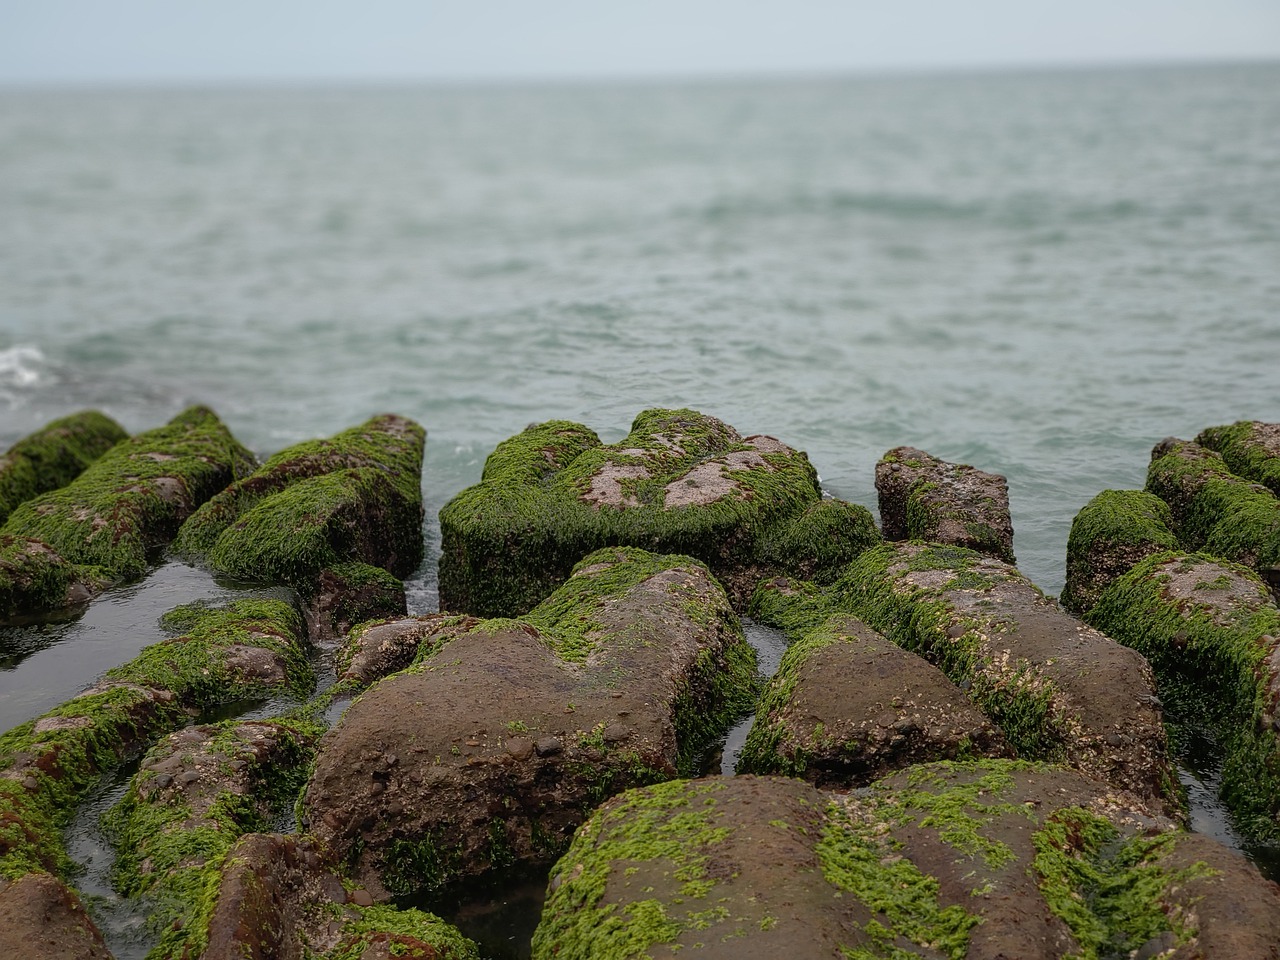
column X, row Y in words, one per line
column 1040, row 273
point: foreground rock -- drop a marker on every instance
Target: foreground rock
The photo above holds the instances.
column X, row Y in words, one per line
column 977, row 861
column 42, row 919
column 680, row 482
column 847, row 706
column 53, row 456
column 1110, row 534
column 106, row 525
column 283, row 898
column 924, row 498
column 1211, row 631
column 488, row 752
column 1059, row 691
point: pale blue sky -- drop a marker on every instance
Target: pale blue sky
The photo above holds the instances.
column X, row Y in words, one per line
column 115, row 41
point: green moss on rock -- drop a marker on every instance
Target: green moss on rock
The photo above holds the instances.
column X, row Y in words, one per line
column 1110, row 534
column 356, row 497
column 680, row 482
column 53, row 456
column 1250, row 448
column 409, row 933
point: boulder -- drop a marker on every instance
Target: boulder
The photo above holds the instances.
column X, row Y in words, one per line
column 848, row 706
column 680, row 482
column 349, row 594
column 42, row 919
column 53, row 456
column 1211, row 631
column 383, row 647
column 356, row 497
column 1110, row 534
column 924, row 498
column 35, row 578
column 484, row 755
column 980, row 861
column 1249, row 448
column 129, row 502
column 1059, row 690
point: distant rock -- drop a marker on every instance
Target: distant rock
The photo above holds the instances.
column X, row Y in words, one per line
column 53, row 456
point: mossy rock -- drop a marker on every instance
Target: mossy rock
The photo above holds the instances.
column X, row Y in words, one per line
column 129, row 502
column 53, row 456
column 1209, row 629
column 924, row 498
column 987, row 859
column 1110, row 534
column 1059, row 691
column 379, row 648
column 351, row 594
column 195, row 793
column 680, row 482
column 356, row 497
column 1212, row 509
column 848, row 706
column 483, row 756
column 1250, row 448
column 35, row 578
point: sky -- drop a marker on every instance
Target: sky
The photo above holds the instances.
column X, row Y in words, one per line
column 217, row 41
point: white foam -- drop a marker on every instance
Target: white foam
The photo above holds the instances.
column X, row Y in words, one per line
column 22, row 368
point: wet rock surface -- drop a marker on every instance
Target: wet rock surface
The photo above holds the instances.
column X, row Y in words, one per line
column 347, row 595
column 489, row 751
column 848, row 706
column 681, row 481
column 985, row 860
column 924, row 498
column 42, row 919
column 381, row 648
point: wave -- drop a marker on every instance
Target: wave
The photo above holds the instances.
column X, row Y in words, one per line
column 23, row 369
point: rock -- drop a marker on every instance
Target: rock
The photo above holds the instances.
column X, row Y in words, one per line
column 1110, row 534
column 924, row 498
column 42, row 919
column 643, row 644
column 847, row 706
column 681, row 481
column 34, row 578
column 356, row 497
column 132, row 499
column 1212, row 509
column 1210, row 630
column 53, row 456
column 1058, row 690
column 381, row 648
column 349, row 594
column 275, row 900
column 983, row 861
column 1249, row 448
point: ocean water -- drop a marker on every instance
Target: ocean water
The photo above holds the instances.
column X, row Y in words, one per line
column 1040, row 273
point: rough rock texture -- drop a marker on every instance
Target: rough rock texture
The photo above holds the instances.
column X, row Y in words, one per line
column 378, row 649
column 53, row 456
column 1212, row 634
column 354, row 497
column 924, row 498
column 49, row 764
column 1250, row 448
column 349, row 594
column 1110, row 534
column 490, row 750
column 976, row 861
column 195, row 793
column 34, row 578
column 680, row 482
column 1214, row 510
column 848, row 706
column 1058, row 689
column 42, row 919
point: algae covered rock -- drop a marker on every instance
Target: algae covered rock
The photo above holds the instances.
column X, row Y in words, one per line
column 382, row 647
column 1059, row 691
column 848, row 706
column 43, row 919
column 1210, row 630
column 356, row 497
column 53, row 456
column 992, row 859
column 1110, row 534
column 680, row 482
column 34, row 577
column 348, row 594
column 1250, row 448
column 483, row 756
column 924, row 498
column 130, row 501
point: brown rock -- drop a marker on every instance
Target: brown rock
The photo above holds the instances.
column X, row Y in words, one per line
column 42, row 919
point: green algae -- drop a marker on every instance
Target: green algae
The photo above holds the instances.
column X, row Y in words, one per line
column 400, row 928
column 1210, row 654
column 53, row 456
column 34, row 578
column 1111, row 533
column 131, row 500
column 1244, row 452
column 510, row 540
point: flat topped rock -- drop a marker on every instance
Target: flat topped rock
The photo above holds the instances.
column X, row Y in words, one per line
column 848, row 706
column 488, row 751
column 1250, row 448
column 924, row 498
column 681, row 481
column 1111, row 534
column 983, row 861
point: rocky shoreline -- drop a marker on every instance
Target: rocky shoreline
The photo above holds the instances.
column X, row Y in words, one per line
column 947, row 763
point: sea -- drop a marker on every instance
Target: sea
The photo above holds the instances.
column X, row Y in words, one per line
column 1041, row 273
